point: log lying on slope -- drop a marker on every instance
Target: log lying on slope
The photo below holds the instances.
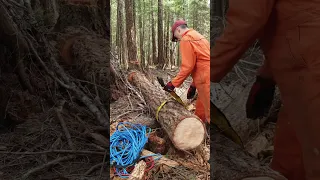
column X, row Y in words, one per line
column 236, row 114
column 185, row 130
column 230, row 161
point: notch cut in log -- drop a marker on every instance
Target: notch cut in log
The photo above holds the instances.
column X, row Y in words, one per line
column 185, row 130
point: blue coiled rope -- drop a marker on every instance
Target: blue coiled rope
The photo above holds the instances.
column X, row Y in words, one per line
column 126, row 145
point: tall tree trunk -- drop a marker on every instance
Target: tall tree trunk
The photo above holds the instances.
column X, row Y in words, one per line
column 149, row 43
column 141, row 30
column 160, row 35
column 131, row 35
column 123, row 35
column 118, row 33
column 166, row 41
column 195, row 16
column 154, row 50
column 172, row 46
column 134, row 13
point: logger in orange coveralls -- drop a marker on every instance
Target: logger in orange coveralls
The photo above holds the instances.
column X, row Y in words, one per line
column 289, row 32
column 195, row 53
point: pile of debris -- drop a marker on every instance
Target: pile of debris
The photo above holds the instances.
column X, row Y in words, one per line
column 54, row 103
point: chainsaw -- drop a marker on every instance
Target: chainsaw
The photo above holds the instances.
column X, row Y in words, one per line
column 223, row 124
column 173, row 94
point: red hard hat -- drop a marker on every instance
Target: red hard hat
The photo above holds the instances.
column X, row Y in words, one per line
column 174, row 27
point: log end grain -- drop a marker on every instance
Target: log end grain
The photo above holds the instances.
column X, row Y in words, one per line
column 189, row 134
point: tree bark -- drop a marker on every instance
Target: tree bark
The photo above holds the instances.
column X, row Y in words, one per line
column 141, row 30
column 185, row 130
column 230, row 161
column 124, row 46
column 160, row 35
column 167, row 37
column 154, row 50
column 131, row 35
column 118, row 39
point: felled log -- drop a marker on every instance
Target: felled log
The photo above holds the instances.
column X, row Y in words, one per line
column 141, row 119
column 232, row 162
column 185, row 130
column 236, row 114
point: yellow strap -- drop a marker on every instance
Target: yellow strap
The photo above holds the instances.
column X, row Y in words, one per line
column 164, row 102
column 159, row 108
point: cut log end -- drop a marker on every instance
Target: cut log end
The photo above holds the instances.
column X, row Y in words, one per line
column 189, row 133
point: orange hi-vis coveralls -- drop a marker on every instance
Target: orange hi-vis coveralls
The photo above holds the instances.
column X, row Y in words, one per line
column 289, row 31
column 195, row 54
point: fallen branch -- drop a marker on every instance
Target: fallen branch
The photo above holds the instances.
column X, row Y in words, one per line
column 94, row 168
column 103, row 119
column 103, row 162
column 63, row 125
column 53, row 151
column 99, row 139
column 47, row 165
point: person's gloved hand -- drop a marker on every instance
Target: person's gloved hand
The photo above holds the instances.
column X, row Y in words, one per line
column 169, row 87
column 260, row 98
column 191, row 91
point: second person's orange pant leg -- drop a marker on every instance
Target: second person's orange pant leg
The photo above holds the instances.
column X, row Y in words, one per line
column 287, row 157
column 204, row 99
column 200, row 110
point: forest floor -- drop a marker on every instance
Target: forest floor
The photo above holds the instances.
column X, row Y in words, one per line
column 192, row 166
column 39, row 147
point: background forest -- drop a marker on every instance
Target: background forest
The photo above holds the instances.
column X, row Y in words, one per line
column 141, row 29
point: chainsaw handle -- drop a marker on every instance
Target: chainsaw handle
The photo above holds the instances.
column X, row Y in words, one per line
column 161, row 82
